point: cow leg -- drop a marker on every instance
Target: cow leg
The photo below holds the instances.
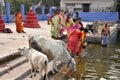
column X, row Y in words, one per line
column 54, row 66
column 54, row 63
column 35, row 69
column 32, row 70
column 45, row 75
column 56, row 69
column 41, row 71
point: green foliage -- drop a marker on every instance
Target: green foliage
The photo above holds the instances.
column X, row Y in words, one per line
column 118, row 1
column 15, row 4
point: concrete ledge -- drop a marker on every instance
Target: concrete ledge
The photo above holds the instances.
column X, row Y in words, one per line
column 93, row 39
column 97, row 38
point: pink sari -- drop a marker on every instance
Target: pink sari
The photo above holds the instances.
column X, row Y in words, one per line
column 69, row 29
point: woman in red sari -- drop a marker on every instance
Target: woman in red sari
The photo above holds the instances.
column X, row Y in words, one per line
column 74, row 42
column 75, row 39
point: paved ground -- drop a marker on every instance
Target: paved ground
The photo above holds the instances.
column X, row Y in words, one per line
column 10, row 42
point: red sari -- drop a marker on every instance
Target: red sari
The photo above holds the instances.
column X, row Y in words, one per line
column 74, row 41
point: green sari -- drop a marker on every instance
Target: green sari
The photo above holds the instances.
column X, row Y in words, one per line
column 54, row 28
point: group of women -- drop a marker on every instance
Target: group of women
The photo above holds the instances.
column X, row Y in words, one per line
column 60, row 22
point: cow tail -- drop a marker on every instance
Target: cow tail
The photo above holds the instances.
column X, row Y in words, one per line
column 30, row 39
column 46, row 62
column 46, row 66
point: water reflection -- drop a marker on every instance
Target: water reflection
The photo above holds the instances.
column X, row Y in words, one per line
column 78, row 75
column 99, row 63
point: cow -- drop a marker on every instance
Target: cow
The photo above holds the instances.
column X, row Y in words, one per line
column 54, row 49
column 38, row 61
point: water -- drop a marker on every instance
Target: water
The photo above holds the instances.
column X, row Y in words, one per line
column 98, row 63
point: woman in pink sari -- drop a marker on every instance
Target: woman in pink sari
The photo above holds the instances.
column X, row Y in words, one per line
column 77, row 23
column 69, row 23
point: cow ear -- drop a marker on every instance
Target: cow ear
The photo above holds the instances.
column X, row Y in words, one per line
column 29, row 37
column 19, row 49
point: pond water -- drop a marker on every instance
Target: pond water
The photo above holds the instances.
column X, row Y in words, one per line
column 97, row 63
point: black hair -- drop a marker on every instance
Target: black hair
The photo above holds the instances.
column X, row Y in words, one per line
column 82, row 28
column 69, row 14
column 18, row 10
column 74, row 9
column 85, row 30
column 79, row 18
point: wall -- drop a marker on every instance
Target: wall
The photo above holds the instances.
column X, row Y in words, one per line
column 95, row 5
column 102, row 16
column 101, row 5
column 86, row 16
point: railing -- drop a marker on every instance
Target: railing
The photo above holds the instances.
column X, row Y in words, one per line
column 86, row 16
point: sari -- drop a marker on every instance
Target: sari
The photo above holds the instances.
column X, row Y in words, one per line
column 69, row 22
column 74, row 42
column 54, row 26
column 18, row 22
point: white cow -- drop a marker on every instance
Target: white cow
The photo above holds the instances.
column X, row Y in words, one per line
column 52, row 48
column 38, row 61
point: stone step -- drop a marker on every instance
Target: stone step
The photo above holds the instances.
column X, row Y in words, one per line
column 17, row 73
column 49, row 69
column 22, row 71
column 5, row 68
column 9, row 57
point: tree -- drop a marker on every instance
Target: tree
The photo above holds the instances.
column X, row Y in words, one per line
column 15, row 4
column 118, row 6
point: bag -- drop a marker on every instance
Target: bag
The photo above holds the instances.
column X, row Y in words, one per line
column 84, row 45
column 7, row 30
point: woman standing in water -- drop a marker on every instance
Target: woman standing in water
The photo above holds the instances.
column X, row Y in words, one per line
column 74, row 42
